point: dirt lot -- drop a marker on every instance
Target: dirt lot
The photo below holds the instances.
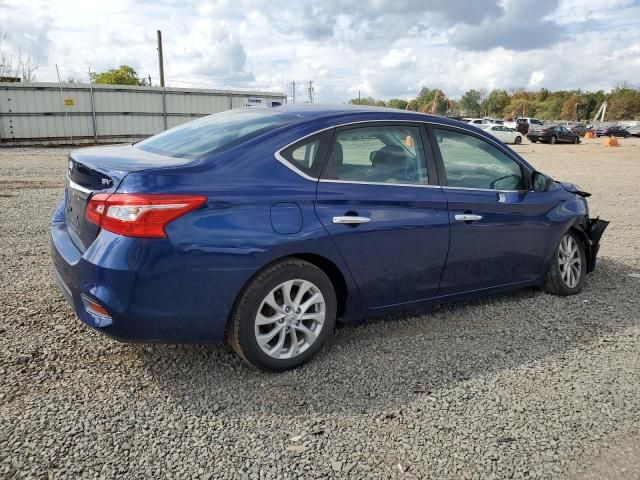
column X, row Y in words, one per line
column 514, row 386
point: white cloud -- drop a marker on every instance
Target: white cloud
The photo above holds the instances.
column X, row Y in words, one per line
column 535, row 80
column 399, row 58
column 384, row 48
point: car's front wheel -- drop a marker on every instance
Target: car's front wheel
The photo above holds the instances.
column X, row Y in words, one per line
column 518, row 140
column 568, row 267
column 283, row 316
column 553, row 140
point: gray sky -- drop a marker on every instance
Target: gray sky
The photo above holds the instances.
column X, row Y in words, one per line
column 383, row 48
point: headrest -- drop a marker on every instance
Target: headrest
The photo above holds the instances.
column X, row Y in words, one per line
column 337, row 155
column 389, row 156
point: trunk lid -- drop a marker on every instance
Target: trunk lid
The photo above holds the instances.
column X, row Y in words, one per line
column 100, row 170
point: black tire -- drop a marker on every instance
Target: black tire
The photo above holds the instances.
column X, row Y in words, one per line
column 518, row 140
column 553, row 140
column 533, row 140
column 554, row 282
column 576, row 140
column 242, row 328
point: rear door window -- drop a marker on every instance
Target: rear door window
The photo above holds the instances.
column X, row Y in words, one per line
column 382, row 154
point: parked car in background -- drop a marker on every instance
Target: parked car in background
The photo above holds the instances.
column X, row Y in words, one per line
column 494, row 121
column 261, row 226
column 553, row 134
column 633, row 130
column 575, row 127
column 613, row 131
column 475, row 121
column 523, row 124
column 503, row 133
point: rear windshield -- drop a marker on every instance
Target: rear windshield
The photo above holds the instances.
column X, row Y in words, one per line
column 215, row 132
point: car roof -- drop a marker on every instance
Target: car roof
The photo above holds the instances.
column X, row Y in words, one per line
column 310, row 112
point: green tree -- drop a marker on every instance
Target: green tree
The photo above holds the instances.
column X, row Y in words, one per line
column 551, row 108
column 592, row 101
column 424, row 100
column 125, row 75
column 398, row 103
column 519, row 103
column 496, row 102
column 543, row 94
column 367, row 101
column 623, row 103
column 471, row 103
column 570, row 108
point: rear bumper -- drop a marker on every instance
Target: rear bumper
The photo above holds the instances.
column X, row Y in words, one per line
column 595, row 229
column 152, row 292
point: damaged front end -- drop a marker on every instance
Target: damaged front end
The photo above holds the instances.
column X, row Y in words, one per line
column 595, row 229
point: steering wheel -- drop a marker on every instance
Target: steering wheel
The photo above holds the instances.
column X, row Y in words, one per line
column 492, row 185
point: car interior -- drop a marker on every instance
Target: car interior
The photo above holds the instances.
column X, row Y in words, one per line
column 380, row 158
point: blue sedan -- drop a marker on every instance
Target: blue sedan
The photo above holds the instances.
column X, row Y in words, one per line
column 262, row 226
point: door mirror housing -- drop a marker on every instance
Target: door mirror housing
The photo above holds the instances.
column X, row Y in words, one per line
column 540, row 182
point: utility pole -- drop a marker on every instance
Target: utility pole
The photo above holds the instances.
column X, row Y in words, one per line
column 160, row 60
column 310, row 89
column 93, row 109
column 293, row 91
column 358, row 97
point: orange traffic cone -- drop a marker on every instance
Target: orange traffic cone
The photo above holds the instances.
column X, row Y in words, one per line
column 590, row 134
column 611, row 142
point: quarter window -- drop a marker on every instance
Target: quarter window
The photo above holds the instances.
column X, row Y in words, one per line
column 307, row 155
column 470, row 162
column 380, row 154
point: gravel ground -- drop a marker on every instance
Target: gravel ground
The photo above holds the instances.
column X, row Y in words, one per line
column 525, row 385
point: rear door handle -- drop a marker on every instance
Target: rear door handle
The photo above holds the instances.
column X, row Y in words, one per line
column 351, row 220
column 467, row 217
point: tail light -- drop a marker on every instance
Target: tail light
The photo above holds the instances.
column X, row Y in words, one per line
column 139, row 215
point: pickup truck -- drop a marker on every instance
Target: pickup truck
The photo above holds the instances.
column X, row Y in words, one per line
column 522, row 124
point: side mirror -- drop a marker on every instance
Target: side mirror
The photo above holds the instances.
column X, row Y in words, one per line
column 540, row 182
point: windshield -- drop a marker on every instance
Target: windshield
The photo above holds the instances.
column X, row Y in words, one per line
column 215, row 132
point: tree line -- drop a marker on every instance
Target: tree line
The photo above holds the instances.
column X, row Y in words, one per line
column 623, row 103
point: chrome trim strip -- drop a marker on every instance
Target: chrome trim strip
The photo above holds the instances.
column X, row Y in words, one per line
column 292, row 167
column 77, row 187
column 486, row 189
column 388, row 184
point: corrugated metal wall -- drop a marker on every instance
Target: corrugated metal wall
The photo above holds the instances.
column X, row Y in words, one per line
column 47, row 113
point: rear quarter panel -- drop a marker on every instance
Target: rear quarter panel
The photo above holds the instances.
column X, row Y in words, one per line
column 234, row 230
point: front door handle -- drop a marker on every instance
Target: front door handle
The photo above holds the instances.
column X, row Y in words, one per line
column 351, row 220
column 467, row 217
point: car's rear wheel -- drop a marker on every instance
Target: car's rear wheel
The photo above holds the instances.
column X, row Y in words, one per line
column 553, row 140
column 518, row 140
column 568, row 267
column 283, row 316
column 533, row 140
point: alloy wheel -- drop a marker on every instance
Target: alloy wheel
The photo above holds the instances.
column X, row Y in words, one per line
column 569, row 261
column 290, row 319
